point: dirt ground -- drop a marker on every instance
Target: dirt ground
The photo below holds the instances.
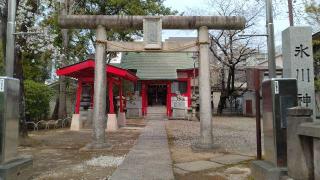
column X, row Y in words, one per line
column 56, row 152
column 235, row 135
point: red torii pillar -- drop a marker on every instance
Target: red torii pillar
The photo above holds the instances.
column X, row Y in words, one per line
column 78, row 96
column 92, row 93
column 121, row 116
column 120, row 96
column 110, row 91
column 169, row 99
column 144, row 98
column 112, row 123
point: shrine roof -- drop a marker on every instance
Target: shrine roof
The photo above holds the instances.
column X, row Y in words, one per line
column 156, row 66
column 85, row 69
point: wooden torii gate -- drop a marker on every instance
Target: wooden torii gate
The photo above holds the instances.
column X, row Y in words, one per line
column 152, row 26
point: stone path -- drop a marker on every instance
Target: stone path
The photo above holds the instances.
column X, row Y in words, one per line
column 216, row 162
column 150, row 157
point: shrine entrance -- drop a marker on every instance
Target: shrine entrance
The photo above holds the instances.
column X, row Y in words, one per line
column 152, row 42
column 157, row 95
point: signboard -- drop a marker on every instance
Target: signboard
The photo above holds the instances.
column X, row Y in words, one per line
column 1, row 85
column 152, row 30
column 179, row 103
column 298, row 63
column 134, row 104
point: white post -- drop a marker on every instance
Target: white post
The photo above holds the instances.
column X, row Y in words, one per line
column 100, row 85
column 206, row 138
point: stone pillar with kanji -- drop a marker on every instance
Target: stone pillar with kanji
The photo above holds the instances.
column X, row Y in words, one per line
column 298, row 63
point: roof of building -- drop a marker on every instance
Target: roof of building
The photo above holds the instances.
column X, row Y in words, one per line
column 157, row 65
column 316, row 36
column 85, row 70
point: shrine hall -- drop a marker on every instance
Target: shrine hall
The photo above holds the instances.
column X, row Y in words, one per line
column 165, row 79
column 84, row 73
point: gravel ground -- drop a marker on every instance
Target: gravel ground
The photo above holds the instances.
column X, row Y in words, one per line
column 233, row 134
column 105, row 161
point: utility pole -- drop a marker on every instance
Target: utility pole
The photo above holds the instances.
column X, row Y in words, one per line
column 271, row 46
column 10, row 42
column 290, row 7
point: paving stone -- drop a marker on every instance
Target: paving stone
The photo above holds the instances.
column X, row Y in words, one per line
column 180, row 171
column 218, row 176
column 149, row 158
column 197, row 166
column 230, row 159
column 237, row 170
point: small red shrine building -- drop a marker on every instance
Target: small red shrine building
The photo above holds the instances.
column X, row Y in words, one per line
column 84, row 73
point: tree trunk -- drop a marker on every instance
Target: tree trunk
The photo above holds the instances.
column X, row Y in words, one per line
column 222, row 99
column 226, row 92
column 23, row 128
column 222, row 104
column 232, row 72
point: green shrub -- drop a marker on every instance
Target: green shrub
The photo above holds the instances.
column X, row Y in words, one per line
column 37, row 98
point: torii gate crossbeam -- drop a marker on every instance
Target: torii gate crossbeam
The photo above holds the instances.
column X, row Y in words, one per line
column 202, row 23
column 136, row 22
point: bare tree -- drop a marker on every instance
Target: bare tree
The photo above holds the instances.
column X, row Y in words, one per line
column 231, row 50
column 312, row 9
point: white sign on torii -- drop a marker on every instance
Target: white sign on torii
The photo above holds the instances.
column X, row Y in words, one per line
column 152, row 43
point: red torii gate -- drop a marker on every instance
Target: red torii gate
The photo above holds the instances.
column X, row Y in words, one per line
column 84, row 72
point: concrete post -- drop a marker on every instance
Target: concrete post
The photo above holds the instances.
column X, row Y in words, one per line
column 206, row 138
column 100, row 84
column 299, row 148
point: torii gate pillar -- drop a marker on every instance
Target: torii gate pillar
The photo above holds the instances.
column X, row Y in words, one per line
column 100, row 85
column 206, row 138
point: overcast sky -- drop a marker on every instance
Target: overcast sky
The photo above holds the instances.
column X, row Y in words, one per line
column 281, row 22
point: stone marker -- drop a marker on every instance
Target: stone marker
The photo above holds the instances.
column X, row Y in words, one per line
column 264, row 170
column 179, row 107
column 298, row 63
column 278, row 94
column 312, row 131
column 134, row 106
column 299, row 148
column 12, row 166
